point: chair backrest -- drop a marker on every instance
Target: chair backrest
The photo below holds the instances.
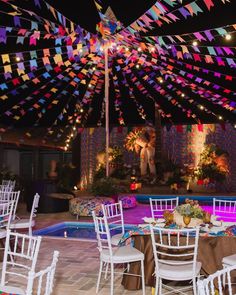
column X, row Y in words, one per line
column 177, row 244
column 103, row 233
column 114, row 216
column 158, row 206
column 217, row 283
column 20, row 257
column 34, row 207
column 9, row 196
column 9, row 182
column 6, row 211
column 5, row 188
column 42, row 281
column 224, row 209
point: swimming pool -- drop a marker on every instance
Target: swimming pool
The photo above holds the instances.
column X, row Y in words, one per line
column 77, row 230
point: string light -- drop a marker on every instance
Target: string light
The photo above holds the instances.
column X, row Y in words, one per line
column 139, row 49
column 126, row 49
column 220, row 117
column 182, row 95
column 152, row 49
column 161, row 80
column 90, row 85
column 228, row 37
column 17, row 58
column 81, row 50
column 137, row 66
column 235, row 126
column 195, row 43
column 94, row 68
column 202, row 107
column 74, row 128
column 81, row 110
column 65, row 148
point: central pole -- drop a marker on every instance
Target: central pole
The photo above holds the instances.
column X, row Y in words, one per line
column 107, row 108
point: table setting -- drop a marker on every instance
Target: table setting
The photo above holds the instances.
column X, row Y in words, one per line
column 216, row 240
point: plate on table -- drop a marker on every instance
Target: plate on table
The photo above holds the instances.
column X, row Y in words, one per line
column 160, row 220
column 149, row 220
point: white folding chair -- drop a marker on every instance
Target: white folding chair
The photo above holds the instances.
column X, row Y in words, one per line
column 224, row 209
column 9, row 196
column 158, row 206
column 42, row 281
column 111, row 256
column 175, row 256
column 27, row 223
column 114, row 216
column 217, row 283
column 19, row 259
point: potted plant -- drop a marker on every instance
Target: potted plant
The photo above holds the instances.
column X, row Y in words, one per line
column 213, row 166
column 106, row 186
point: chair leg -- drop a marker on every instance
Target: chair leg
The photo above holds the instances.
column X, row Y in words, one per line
column 30, row 231
column 194, row 287
column 112, row 278
column 99, row 276
column 160, row 289
column 143, row 280
column 106, row 270
column 224, row 277
column 157, row 285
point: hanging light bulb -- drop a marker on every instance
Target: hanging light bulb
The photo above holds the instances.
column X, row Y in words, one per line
column 17, row 58
column 220, row 117
column 195, row 43
column 81, row 110
column 74, row 128
column 228, row 37
column 139, row 49
column 137, row 66
column 202, row 107
column 182, row 95
column 90, row 85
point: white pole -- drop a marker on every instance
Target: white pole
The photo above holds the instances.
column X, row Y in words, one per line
column 107, row 108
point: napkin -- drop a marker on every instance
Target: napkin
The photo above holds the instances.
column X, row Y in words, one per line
column 149, row 219
column 217, row 223
column 216, row 229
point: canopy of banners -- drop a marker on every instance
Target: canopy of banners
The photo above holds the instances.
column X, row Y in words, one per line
column 52, row 70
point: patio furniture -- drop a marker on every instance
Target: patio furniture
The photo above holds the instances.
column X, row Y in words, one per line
column 84, row 206
column 175, row 256
column 27, row 223
column 111, row 256
column 41, row 282
column 19, row 260
column 158, row 206
column 211, row 250
column 113, row 214
column 6, row 210
column 128, row 201
column 224, row 209
column 215, row 284
column 9, row 196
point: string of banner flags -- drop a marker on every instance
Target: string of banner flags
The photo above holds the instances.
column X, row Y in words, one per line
column 58, row 78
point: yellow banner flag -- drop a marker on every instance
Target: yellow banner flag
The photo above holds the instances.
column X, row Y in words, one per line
column 5, row 58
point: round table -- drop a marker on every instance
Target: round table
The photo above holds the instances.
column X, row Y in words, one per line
column 211, row 250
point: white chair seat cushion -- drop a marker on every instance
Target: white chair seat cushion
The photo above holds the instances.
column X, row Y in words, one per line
column 21, row 223
column 229, row 260
column 12, row 290
column 116, row 239
column 122, row 255
column 178, row 272
column 3, row 234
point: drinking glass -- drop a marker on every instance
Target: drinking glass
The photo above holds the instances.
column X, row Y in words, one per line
column 186, row 220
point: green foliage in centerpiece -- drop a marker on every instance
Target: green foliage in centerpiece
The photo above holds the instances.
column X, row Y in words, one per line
column 191, row 208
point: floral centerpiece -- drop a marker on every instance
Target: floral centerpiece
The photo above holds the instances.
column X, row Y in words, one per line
column 190, row 209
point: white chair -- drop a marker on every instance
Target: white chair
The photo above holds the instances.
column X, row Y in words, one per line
column 5, row 218
column 9, row 196
column 158, row 206
column 19, row 259
column 5, row 188
column 111, row 256
column 27, row 223
column 114, row 216
column 10, row 183
column 45, row 276
column 224, row 209
column 214, row 284
column 175, row 256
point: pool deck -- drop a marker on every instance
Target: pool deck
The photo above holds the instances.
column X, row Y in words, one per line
column 78, row 265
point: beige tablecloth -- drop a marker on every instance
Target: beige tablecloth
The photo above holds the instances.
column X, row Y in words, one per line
column 211, row 250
